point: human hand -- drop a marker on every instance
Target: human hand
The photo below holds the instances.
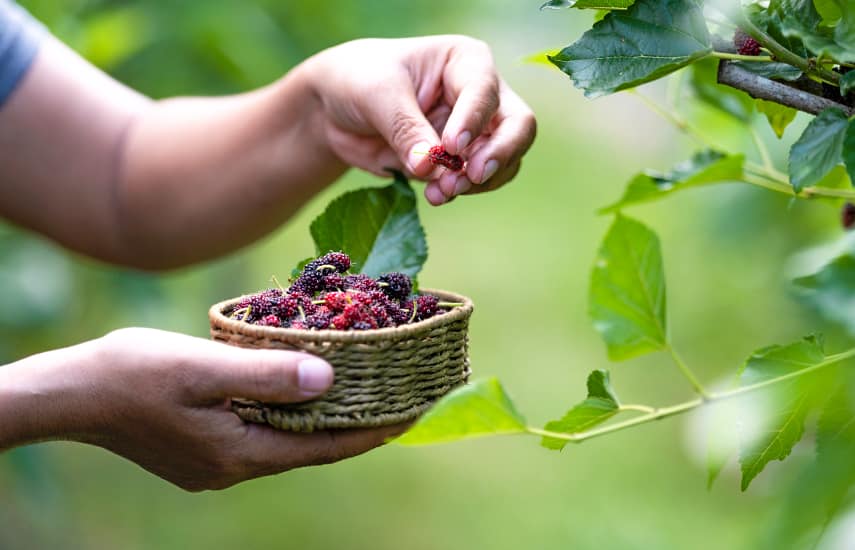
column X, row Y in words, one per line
column 162, row 400
column 385, row 103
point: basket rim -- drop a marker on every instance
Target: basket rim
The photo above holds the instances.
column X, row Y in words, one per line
column 218, row 319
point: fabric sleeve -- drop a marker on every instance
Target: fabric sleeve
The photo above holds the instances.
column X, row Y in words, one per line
column 20, row 35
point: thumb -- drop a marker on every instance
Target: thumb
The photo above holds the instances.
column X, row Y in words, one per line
column 272, row 376
column 397, row 116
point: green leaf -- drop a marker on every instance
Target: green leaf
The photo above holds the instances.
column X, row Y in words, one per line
column 779, row 116
column 730, row 100
column 477, row 409
column 541, row 58
column 837, row 42
column 625, row 49
column 588, row 4
column 831, row 290
column 600, row 405
column 819, row 149
column 782, row 414
column 847, row 83
column 829, row 10
column 627, row 294
column 772, row 69
column 378, row 227
column 722, row 421
column 704, row 168
column 849, row 149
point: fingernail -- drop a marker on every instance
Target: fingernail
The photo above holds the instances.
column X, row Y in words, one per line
column 463, row 185
column 490, row 170
column 434, row 195
column 463, row 141
column 314, row 376
column 417, row 154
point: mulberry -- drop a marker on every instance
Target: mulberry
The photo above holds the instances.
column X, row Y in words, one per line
column 745, row 44
column 440, row 157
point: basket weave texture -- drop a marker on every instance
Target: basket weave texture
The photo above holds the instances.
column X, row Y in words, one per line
column 382, row 377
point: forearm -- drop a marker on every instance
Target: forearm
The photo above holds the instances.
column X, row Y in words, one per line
column 201, row 177
column 109, row 173
column 45, row 397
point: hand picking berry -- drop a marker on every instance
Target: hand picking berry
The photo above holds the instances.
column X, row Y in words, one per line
column 440, row 157
column 325, row 296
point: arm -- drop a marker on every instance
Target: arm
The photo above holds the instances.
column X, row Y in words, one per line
column 109, row 173
column 162, row 401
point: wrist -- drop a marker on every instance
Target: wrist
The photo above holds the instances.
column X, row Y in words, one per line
column 300, row 91
column 45, row 397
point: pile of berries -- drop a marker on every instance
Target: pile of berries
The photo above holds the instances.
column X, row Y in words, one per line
column 326, row 296
column 745, row 44
column 440, row 157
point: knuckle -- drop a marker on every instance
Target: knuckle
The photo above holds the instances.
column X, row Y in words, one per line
column 403, row 129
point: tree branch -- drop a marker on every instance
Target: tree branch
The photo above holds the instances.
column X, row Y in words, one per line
column 760, row 87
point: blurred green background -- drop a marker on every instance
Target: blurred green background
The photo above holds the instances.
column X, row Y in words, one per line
column 523, row 254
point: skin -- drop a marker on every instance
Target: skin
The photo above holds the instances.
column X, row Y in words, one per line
column 161, row 185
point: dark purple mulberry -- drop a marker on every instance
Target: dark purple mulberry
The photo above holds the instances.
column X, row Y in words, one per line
column 396, row 285
column 362, row 283
column 339, row 260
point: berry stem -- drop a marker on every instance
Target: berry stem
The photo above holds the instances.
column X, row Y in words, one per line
column 449, row 304
column 680, row 408
column 275, row 281
column 738, row 57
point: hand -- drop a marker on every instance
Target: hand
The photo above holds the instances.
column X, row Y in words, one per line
column 386, row 102
column 162, row 400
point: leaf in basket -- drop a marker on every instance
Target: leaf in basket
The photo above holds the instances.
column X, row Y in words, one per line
column 476, row 409
column 378, row 227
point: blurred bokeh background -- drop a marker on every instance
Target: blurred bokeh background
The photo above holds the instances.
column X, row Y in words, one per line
column 523, row 254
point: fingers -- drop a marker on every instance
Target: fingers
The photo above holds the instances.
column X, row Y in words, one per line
column 396, row 114
column 514, row 134
column 473, row 88
column 272, row 376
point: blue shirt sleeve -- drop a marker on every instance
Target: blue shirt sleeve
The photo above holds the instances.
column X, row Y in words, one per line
column 20, row 35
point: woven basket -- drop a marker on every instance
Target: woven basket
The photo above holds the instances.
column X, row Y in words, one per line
column 382, row 376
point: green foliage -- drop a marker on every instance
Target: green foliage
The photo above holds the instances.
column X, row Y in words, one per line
column 831, row 290
column 477, row 409
column 379, row 228
column 600, row 405
column 779, row 418
column 779, row 116
column 837, row 42
column 588, row 4
column 627, row 294
column 736, row 103
column 847, row 83
column 704, row 168
column 625, row 49
column 819, row 149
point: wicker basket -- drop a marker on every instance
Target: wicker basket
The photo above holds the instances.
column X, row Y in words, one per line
column 383, row 376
